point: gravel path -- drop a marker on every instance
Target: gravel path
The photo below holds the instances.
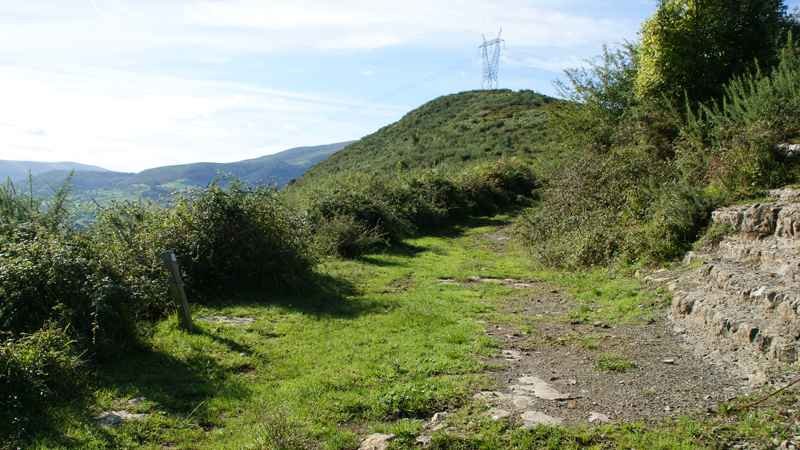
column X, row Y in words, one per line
column 560, row 360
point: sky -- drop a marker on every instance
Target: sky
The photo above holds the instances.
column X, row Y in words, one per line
column 133, row 84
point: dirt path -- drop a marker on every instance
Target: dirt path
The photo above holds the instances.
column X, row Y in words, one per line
column 567, row 373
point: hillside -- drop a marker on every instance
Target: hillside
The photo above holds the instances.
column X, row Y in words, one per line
column 16, row 170
column 457, row 128
column 157, row 183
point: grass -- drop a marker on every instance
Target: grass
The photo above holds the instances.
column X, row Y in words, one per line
column 609, row 362
column 606, row 297
column 380, row 346
column 452, row 130
column 384, row 342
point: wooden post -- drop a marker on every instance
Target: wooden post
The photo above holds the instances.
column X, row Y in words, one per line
column 176, row 288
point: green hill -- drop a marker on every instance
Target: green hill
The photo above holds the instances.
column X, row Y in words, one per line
column 458, row 128
column 158, row 183
column 17, row 170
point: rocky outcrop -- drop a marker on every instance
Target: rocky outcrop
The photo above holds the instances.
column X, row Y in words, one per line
column 740, row 304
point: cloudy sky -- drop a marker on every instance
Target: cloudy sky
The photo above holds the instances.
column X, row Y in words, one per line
column 131, row 84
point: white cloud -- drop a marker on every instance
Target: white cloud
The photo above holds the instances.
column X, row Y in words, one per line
column 129, row 121
column 278, row 25
column 555, row 64
column 63, row 100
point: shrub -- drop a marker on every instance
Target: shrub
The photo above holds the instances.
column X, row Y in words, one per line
column 677, row 215
column 128, row 237
column 223, row 238
column 345, row 236
column 731, row 144
column 48, row 278
column 18, row 210
column 352, row 213
column 713, row 236
column 36, row 370
column 369, row 200
column 491, row 188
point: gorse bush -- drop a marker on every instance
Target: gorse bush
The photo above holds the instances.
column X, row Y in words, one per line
column 19, row 209
column 223, row 238
column 354, row 212
column 47, row 278
column 36, row 371
column 238, row 237
column 731, row 143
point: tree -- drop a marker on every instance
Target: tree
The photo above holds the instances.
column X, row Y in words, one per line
column 692, row 47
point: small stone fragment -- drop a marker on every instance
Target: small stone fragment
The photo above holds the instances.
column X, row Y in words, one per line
column 532, row 418
column 539, row 388
column 116, row 418
column 225, row 320
column 498, row 413
column 437, row 421
column 424, row 441
column 136, row 401
column 512, row 355
column 595, row 417
column 376, row 441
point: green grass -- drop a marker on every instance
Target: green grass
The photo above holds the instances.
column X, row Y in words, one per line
column 606, row 297
column 383, row 341
column 609, row 362
column 380, row 346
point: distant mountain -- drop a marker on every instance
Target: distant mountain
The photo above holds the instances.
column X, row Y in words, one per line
column 96, row 184
column 17, row 170
column 454, row 129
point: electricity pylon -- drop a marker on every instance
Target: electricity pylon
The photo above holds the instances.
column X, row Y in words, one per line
column 490, row 50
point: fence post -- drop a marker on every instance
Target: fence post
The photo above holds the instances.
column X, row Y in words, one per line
column 176, row 288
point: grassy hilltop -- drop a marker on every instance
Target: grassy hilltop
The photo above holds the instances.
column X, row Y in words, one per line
column 451, row 130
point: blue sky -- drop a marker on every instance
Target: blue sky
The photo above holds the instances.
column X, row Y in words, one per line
column 131, row 84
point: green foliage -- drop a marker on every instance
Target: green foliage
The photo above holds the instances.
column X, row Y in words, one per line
column 238, row 237
column 24, row 210
column 610, row 362
column 277, row 431
column 354, row 212
column 601, row 95
column 731, row 144
column 413, row 400
column 47, row 278
column 452, row 130
column 695, row 46
column 346, row 236
column 36, row 370
column 224, row 238
column 636, row 182
column 623, row 204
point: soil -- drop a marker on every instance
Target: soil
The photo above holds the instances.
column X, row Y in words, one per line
column 666, row 380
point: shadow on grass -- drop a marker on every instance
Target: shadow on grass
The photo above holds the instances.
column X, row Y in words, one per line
column 177, row 386
column 450, row 230
column 459, row 228
column 321, row 295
